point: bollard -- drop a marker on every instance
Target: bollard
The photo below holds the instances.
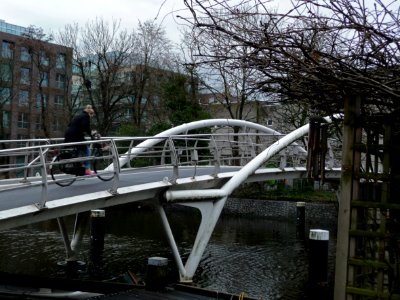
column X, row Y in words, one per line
column 97, row 232
column 300, row 219
column 156, row 275
column 97, row 228
column 318, row 265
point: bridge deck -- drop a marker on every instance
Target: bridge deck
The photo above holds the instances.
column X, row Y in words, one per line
column 17, row 205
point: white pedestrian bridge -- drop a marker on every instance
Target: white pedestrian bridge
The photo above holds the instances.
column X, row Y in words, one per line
column 198, row 164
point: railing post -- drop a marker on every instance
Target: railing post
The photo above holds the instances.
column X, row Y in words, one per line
column 174, row 159
column 116, row 166
column 217, row 157
column 129, row 154
column 42, row 204
column 194, row 157
column 25, row 179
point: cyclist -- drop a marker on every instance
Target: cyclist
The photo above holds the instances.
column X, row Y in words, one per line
column 76, row 131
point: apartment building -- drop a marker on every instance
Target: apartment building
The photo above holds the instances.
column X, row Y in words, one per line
column 35, row 78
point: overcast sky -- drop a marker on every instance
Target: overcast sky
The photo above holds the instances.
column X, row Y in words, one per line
column 52, row 15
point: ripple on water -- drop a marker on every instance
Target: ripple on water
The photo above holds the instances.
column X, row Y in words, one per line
column 259, row 257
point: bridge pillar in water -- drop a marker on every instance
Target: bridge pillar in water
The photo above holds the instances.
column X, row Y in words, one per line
column 156, row 275
column 97, row 232
column 97, row 228
column 318, row 257
column 300, row 219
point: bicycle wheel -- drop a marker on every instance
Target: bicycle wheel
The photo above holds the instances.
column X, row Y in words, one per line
column 57, row 168
column 102, row 161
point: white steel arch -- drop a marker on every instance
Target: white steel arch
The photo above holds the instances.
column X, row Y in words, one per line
column 211, row 202
column 192, row 126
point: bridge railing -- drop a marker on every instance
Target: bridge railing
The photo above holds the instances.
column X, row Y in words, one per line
column 202, row 149
column 29, row 161
column 22, row 158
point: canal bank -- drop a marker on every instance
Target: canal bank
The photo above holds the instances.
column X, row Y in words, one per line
column 317, row 213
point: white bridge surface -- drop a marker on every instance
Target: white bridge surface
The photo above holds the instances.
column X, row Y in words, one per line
column 197, row 170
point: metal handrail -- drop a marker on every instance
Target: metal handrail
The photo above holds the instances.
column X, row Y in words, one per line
column 174, row 150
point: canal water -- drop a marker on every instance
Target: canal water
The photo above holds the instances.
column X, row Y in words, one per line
column 263, row 258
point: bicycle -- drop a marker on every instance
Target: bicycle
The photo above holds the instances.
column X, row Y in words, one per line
column 67, row 165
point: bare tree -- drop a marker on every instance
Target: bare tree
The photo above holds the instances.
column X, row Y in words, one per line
column 118, row 71
column 223, row 71
column 153, row 59
column 69, row 37
column 101, row 57
column 318, row 52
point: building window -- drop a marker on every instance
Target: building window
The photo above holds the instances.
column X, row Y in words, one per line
column 21, row 143
column 43, row 79
column 56, row 125
column 41, row 101
column 5, row 96
column 38, row 123
column 60, row 81
column 44, row 59
column 128, row 114
column 5, row 73
column 23, row 99
column 6, row 119
column 7, row 49
column 25, row 76
column 60, row 61
column 59, row 101
column 25, row 54
column 22, row 120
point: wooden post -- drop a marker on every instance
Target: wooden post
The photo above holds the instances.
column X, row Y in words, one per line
column 347, row 192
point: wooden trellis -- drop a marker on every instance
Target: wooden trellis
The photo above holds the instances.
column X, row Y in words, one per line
column 368, row 244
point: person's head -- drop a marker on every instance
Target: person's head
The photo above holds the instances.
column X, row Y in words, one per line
column 89, row 110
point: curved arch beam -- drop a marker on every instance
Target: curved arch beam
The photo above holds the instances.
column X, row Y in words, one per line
column 247, row 170
column 220, row 196
column 191, row 126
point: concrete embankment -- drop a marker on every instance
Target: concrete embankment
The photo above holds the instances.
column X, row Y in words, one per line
column 317, row 213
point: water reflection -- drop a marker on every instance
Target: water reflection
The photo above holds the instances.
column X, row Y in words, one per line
column 260, row 257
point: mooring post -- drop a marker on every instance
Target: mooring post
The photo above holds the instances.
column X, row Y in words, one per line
column 156, row 276
column 97, row 232
column 300, row 219
column 318, row 250
column 97, row 228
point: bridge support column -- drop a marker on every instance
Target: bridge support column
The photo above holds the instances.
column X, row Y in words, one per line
column 172, row 243
column 210, row 212
column 71, row 264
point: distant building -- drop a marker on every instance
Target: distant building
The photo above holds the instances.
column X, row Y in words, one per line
column 34, row 85
column 12, row 29
column 260, row 112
